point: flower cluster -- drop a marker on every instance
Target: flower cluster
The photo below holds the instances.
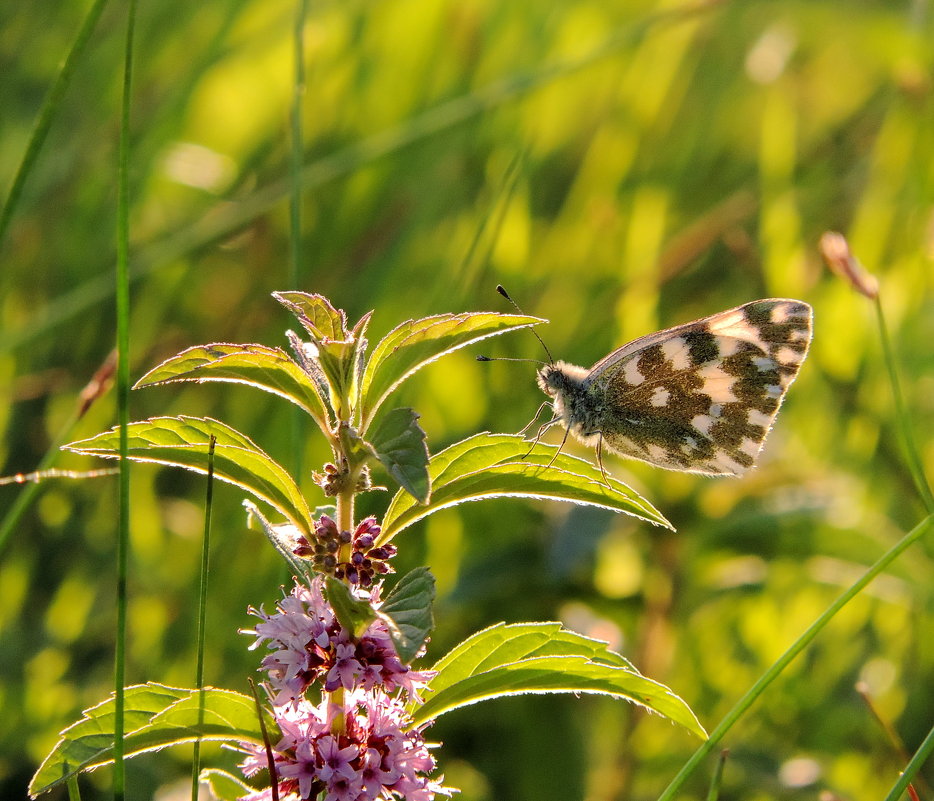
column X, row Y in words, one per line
column 375, row 758
column 308, row 645
column 366, row 561
column 356, row 745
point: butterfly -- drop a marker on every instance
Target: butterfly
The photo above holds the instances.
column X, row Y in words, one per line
column 699, row 397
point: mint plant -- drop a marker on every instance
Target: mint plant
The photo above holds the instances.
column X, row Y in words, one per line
column 345, row 714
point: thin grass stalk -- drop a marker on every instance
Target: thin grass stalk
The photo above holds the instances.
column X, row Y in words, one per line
column 920, row 757
column 487, row 232
column 49, row 106
column 202, row 616
column 123, row 402
column 913, row 458
column 714, row 793
column 270, row 759
column 786, row 658
column 295, row 204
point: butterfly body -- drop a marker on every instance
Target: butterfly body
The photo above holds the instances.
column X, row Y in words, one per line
column 700, row 397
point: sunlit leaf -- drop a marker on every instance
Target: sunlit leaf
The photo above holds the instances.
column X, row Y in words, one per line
column 155, row 716
column 415, row 343
column 183, row 442
column 339, row 352
column 224, row 786
column 502, row 643
column 399, row 445
column 265, row 368
column 492, row 466
column 284, row 538
column 545, row 659
column 407, row 612
column 316, row 314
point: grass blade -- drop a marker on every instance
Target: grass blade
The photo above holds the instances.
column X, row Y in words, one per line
column 673, row 789
column 123, row 401
column 920, row 757
column 52, row 101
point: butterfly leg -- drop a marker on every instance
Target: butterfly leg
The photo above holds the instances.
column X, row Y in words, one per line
column 528, row 425
column 541, row 430
column 606, row 478
column 560, row 448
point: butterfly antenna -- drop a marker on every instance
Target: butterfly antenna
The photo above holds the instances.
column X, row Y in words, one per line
column 502, row 291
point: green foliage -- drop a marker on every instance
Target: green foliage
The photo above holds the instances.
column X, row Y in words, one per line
column 259, row 366
column 156, row 716
column 415, row 343
column 542, row 658
column 407, row 612
column 501, row 466
column 224, row 786
column 183, row 442
column 399, row 445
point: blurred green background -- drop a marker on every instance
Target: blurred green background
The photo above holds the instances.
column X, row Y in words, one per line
column 620, row 167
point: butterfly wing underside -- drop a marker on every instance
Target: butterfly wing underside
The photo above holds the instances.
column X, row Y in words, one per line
column 701, row 397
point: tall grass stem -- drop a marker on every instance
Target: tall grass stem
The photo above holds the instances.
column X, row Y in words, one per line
column 123, row 401
column 295, row 204
column 202, row 615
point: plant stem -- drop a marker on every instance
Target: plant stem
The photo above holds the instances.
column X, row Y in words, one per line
column 345, row 506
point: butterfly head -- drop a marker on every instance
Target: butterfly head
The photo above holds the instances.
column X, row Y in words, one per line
column 561, row 379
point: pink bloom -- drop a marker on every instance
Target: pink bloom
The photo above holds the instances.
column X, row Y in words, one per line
column 375, row 776
column 303, row 768
column 336, row 760
column 345, row 669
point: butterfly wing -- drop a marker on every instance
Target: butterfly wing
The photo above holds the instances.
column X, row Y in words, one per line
column 702, row 396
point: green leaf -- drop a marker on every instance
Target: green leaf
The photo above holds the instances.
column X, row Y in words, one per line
column 269, row 369
column 284, row 538
column 542, row 658
column 183, row 442
column 399, row 445
column 415, row 343
column 407, row 612
column 224, row 786
column 354, row 614
column 339, row 352
column 316, row 314
column 155, row 716
column 492, row 466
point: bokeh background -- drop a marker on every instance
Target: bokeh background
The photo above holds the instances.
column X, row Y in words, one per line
column 620, row 167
